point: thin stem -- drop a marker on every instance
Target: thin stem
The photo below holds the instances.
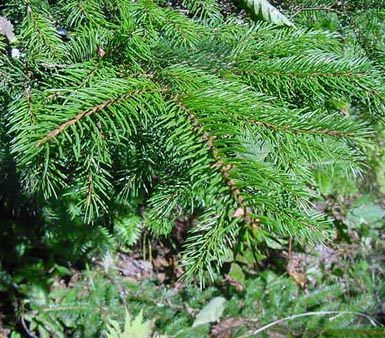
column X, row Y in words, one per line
column 225, row 170
column 328, row 9
column 82, row 114
column 318, row 313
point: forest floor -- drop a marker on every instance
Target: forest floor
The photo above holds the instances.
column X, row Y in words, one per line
column 340, row 282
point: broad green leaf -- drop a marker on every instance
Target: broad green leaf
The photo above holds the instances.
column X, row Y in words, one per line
column 264, row 10
column 237, row 273
column 133, row 328
column 211, row 312
column 366, row 212
column 275, row 243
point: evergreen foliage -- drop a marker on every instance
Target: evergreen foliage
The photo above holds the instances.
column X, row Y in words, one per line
column 121, row 119
column 144, row 109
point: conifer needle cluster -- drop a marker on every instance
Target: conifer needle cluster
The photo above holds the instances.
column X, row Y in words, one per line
column 113, row 109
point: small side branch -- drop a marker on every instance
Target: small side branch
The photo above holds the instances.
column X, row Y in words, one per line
column 305, row 74
column 307, row 9
column 81, row 115
column 242, row 211
column 303, row 131
column 39, row 31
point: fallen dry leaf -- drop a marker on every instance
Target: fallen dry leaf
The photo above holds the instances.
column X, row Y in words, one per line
column 223, row 328
column 296, row 268
column 6, row 28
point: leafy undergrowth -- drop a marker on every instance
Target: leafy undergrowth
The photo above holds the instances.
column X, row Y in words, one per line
column 331, row 290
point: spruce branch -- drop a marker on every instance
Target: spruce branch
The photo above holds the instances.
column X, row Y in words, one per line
column 303, row 131
column 40, row 36
column 83, row 114
column 186, row 114
column 242, row 210
column 320, row 8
